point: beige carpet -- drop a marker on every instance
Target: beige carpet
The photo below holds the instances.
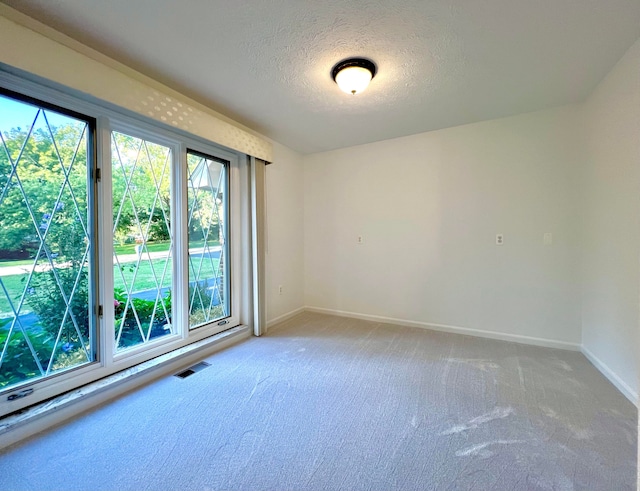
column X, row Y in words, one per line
column 325, row 403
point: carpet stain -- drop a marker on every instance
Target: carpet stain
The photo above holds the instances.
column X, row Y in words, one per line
column 480, row 364
column 481, row 448
column 497, row 413
column 580, row 433
column 564, row 365
column 549, row 413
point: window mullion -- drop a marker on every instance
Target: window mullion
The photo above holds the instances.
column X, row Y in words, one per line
column 179, row 212
column 105, row 243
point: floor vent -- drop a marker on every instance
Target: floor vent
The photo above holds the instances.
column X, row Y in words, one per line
column 192, row 369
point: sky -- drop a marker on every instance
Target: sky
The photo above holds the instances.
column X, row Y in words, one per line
column 14, row 114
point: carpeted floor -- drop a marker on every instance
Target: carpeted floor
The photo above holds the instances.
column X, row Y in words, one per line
column 325, row 403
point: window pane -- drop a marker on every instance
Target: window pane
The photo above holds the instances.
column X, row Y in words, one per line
column 207, row 226
column 143, row 245
column 46, row 323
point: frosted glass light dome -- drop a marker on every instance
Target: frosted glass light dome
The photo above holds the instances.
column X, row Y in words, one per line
column 353, row 80
column 354, row 75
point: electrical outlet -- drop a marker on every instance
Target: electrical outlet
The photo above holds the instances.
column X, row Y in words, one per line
column 360, row 239
column 499, row 239
column 547, row 238
column 280, row 290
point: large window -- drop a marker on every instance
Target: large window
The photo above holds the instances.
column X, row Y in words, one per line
column 116, row 242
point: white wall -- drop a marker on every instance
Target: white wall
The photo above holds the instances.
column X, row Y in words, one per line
column 284, row 236
column 611, row 224
column 429, row 206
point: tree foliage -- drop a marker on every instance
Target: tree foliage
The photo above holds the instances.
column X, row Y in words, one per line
column 43, row 175
column 141, row 174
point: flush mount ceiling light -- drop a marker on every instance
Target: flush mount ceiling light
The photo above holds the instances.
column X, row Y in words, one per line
column 353, row 74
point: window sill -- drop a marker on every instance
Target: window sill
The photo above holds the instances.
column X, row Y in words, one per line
column 34, row 419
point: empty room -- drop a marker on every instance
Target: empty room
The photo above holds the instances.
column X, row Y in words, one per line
column 338, row 245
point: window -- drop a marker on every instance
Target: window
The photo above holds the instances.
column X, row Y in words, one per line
column 119, row 241
column 142, row 240
column 207, row 229
column 47, row 321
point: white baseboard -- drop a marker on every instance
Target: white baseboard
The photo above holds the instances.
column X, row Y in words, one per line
column 515, row 338
column 603, row 368
column 284, row 317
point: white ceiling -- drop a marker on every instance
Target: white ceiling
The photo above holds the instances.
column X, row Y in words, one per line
column 440, row 63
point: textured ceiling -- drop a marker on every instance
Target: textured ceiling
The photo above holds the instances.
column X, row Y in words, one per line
column 440, row 63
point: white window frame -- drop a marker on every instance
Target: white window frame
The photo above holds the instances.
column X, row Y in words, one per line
column 108, row 119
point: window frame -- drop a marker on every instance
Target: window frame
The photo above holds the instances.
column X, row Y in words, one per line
column 108, row 118
column 92, row 213
column 230, row 294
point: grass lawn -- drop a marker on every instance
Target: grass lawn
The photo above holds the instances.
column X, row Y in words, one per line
column 14, row 286
column 159, row 246
column 144, row 278
column 131, row 248
column 120, row 250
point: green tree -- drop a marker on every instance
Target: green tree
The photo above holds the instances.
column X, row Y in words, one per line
column 145, row 209
column 33, row 168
